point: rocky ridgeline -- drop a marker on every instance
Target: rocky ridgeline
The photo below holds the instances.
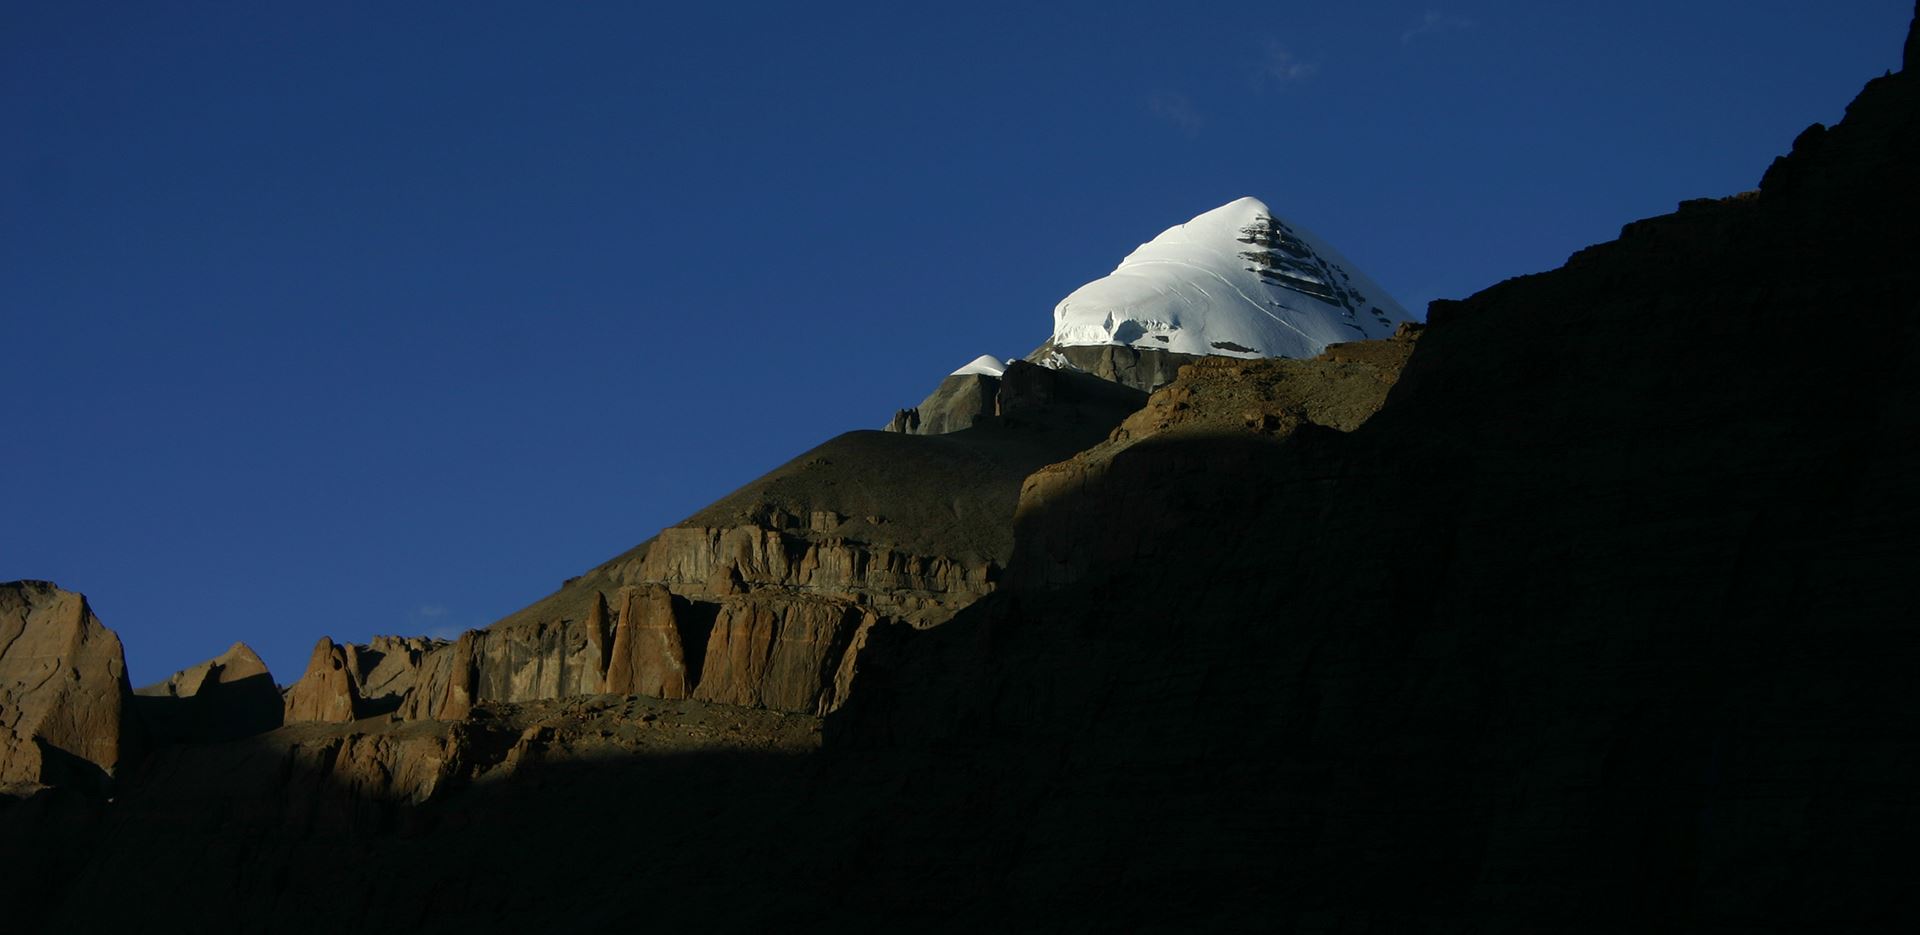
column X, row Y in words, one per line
column 769, row 613
column 765, row 598
column 1581, row 609
column 1266, row 399
column 227, row 697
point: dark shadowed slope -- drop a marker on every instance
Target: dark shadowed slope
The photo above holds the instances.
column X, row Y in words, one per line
column 1601, row 623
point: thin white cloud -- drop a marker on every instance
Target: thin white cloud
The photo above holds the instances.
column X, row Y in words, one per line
column 1279, row 65
column 1174, row 108
column 1435, row 23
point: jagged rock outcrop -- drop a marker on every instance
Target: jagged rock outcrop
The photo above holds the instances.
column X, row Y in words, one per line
column 520, row 662
column 63, row 691
column 1023, row 390
column 1141, row 368
column 229, row 696
column 327, row 691
column 791, row 653
column 1267, row 399
column 1601, row 623
column 650, row 646
column 385, row 669
column 960, row 401
column 906, row 529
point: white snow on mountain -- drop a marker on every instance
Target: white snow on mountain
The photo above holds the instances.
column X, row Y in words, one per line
column 1236, row 281
column 984, row 364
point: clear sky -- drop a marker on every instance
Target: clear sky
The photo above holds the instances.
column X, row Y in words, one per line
column 356, row 318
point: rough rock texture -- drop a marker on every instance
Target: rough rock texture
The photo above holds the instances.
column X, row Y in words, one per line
column 791, row 653
column 960, row 401
column 1142, row 368
column 327, row 691
column 385, row 669
column 1600, row 624
column 1269, row 398
column 909, row 529
column 63, row 691
column 227, row 697
column 1024, row 392
column 649, row 654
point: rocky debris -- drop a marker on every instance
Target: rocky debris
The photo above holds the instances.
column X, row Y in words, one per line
column 63, row 691
column 224, row 698
column 327, row 692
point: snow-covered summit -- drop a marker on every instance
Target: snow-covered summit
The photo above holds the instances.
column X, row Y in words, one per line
column 1236, row 281
column 985, row 364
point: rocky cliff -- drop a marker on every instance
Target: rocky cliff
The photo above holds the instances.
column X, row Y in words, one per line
column 225, row 698
column 771, row 589
column 63, row 691
column 1599, row 624
column 1583, row 609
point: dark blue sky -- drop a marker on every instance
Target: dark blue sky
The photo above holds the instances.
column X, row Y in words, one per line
column 343, row 318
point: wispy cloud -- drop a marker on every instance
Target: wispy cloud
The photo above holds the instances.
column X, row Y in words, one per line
column 1435, row 23
column 1278, row 64
column 432, row 618
column 1174, row 108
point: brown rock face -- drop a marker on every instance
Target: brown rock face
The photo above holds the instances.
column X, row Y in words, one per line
column 327, row 691
column 229, row 696
column 1260, row 401
column 909, row 528
column 959, row 402
column 649, row 651
column 386, row 668
column 513, row 662
column 780, row 651
column 1142, row 368
column 63, row 690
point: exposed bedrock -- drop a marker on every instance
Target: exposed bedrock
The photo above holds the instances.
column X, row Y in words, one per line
column 1142, row 368
column 957, row 403
column 1264, row 400
column 227, row 697
column 63, row 691
column 327, row 691
column 764, row 597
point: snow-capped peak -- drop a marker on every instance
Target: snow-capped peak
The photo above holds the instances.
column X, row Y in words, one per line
column 1236, row 281
column 986, row 364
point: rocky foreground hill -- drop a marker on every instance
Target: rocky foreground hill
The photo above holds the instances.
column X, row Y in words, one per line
column 1585, row 608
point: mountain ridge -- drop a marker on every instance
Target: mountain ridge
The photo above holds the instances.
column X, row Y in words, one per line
column 1582, row 608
